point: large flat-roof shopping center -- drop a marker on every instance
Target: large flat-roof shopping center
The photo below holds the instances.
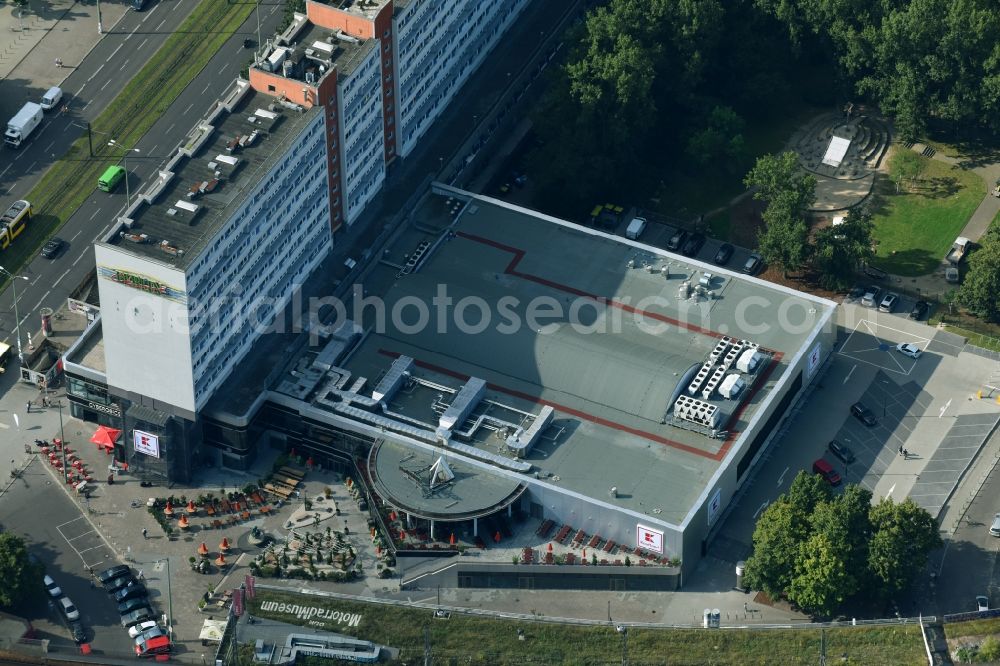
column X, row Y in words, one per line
column 496, row 359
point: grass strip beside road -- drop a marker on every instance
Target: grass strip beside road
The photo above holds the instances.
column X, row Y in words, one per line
column 68, row 183
column 476, row 639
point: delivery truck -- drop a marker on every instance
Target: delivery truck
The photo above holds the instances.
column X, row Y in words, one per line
column 23, row 124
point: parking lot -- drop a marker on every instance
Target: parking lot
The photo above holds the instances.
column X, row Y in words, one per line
column 85, row 541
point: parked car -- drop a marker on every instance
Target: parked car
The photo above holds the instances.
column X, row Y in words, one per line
column 982, row 603
column 152, row 632
column 78, row 632
column 724, row 254
column 137, row 616
column 50, row 585
column 753, row 264
column 693, row 244
column 888, row 303
column 677, row 240
column 69, row 609
column 826, row 470
column 995, row 526
column 871, row 297
column 841, row 451
column 116, row 571
column 863, row 414
column 133, row 590
column 130, row 605
column 137, row 629
column 919, row 310
column 52, row 247
column 908, row 349
column 118, row 583
column 153, row 647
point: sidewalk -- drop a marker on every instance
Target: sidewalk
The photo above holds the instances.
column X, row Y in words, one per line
column 29, row 46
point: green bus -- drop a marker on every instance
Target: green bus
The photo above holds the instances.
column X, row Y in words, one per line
column 110, row 178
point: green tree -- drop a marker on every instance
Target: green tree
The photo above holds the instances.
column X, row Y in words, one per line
column 980, row 291
column 838, row 251
column 780, row 532
column 903, row 535
column 721, row 141
column 784, row 239
column 20, row 579
column 779, row 180
column 846, row 524
column 905, row 165
column 821, row 582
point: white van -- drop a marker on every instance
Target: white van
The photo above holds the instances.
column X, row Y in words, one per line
column 635, row 228
column 51, row 98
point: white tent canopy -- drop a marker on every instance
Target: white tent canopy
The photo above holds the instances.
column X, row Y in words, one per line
column 441, row 472
column 836, row 151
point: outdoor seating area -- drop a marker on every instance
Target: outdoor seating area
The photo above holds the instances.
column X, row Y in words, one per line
column 210, row 512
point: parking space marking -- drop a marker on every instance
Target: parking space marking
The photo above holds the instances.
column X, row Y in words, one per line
column 850, row 372
column 881, row 347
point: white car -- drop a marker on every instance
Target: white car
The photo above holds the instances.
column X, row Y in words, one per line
column 982, row 603
column 908, row 349
column 50, row 585
column 69, row 609
column 136, row 629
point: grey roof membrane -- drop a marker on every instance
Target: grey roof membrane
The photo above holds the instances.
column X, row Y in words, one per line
column 609, row 378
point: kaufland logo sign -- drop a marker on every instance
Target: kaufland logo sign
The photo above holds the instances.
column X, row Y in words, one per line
column 649, row 539
column 310, row 612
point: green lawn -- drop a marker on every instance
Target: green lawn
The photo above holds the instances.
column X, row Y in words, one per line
column 915, row 228
column 470, row 639
column 68, row 183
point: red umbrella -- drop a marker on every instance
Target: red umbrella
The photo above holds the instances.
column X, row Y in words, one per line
column 221, row 560
column 550, row 546
column 169, row 509
column 224, row 545
column 203, row 549
column 451, row 539
column 402, row 535
column 106, row 437
column 496, row 537
column 392, row 515
column 191, row 508
column 183, row 522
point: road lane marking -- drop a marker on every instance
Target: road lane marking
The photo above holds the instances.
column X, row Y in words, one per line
column 77, row 234
column 5, row 170
column 157, row 28
column 152, row 150
column 37, row 278
column 95, row 73
column 87, row 104
column 92, row 217
column 63, row 275
column 945, row 408
column 781, row 479
column 760, row 508
column 49, row 147
column 124, row 65
column 224, row 68
column 106, row 84
column 889, row 494
column 79, row 258
column 850, row 373
column 44, row 296
column 187, row 109
column 207, row 86
column 131, row 34
column 80, row 91
column 170, row 128
column 115, row 52
column 143, row 43
column 32, row 167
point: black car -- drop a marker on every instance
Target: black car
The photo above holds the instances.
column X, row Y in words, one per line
column 52, row 247
column 133, row 590
column 116, row 571
column 753, row 264
column 842, row 452
column 116, row 584
column 724, row 254
column 677, row 240
column 79, row 633
column 137, row 616
column 126, row 607
column 863, row 414
column 693, row 244
column 919, row 310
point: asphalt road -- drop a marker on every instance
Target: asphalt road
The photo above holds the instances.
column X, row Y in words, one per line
column 50, row 281
column 88, row 90
column 66, row 543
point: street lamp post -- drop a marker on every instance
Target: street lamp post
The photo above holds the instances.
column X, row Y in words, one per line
column 100, row 27
column 116, row 144
column 17, row 318
column 170, row 601
column 62, row 438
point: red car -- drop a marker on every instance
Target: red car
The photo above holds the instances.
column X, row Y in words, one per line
column 152, row 646
column 826, row 470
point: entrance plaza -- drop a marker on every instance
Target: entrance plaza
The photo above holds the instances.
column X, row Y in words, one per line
column 541, row 361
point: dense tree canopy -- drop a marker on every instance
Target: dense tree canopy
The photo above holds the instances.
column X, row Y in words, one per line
column 838, row 251
column 821, row 550
column 980, row 291
column 19, row 578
